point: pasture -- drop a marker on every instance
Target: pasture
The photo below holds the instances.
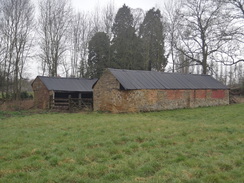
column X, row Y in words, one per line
column 186, row 145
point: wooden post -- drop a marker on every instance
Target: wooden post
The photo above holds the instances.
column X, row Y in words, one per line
column 79, row 100
column 69, row 102
column 50, row 102
column 53, row 99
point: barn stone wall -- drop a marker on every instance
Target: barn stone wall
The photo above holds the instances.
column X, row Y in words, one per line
column 108, row 97
column 41, row 94
column 102, row 92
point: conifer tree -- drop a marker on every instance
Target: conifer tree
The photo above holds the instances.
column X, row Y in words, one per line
column 152, row 35
column 98, row 58
column 126, row 53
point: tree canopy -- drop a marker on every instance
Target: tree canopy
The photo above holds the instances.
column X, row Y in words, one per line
column 98, row 58
column 125, row 46
column 152, row 35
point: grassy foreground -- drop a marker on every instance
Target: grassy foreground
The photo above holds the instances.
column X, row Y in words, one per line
column 188, row 145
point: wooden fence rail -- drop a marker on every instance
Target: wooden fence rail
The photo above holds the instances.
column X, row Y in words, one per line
column 71, row 103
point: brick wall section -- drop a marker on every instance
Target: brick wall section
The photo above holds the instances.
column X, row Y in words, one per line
column 41, row 94
column 218, row 94
column 108, row 97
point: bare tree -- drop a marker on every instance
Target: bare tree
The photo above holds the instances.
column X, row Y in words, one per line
column 182, row 63
column 239, row 6
column 138, row 15
column 236, row 8
column 54, row 21
column 16, row 33
column 204, row 29
column 171, row 9
column 108, row 16
column 82, row 28
column 96, row 18
column 76, row 44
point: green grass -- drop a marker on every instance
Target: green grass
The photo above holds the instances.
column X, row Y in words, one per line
column 7, row 114
column 187, row 145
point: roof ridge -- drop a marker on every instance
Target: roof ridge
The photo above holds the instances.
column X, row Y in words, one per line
column 65, row 78
column 131, row 70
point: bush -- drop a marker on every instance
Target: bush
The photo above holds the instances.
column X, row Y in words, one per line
column 25, row 95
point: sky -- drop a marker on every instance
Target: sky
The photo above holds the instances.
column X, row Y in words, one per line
column 93, row 5
column 90, row 5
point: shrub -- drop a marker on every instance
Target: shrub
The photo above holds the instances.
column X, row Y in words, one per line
column 25, row 95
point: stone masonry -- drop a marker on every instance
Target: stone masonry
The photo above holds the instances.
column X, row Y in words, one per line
column 108, row 96
column 41, row 94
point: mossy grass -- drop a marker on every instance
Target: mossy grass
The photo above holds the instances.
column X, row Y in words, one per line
column 186, row 145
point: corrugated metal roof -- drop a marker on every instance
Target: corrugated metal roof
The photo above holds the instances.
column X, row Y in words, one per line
column 68, row 84
column 138, row 79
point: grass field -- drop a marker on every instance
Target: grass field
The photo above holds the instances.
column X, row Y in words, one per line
column 187, row 145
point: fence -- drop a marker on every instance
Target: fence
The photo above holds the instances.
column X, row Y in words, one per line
column 71, row 103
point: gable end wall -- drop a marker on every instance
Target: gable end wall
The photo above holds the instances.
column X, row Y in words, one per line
column 103, row 92
column 41, row 94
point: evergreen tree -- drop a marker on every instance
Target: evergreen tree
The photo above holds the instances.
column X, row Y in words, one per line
column 126, row 52
column 123, row 21
column 152, row 35
column 98, row 58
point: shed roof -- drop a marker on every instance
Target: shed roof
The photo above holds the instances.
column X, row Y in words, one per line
column 139, row 79
column 68, row 84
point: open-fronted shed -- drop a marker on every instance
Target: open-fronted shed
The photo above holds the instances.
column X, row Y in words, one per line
column 62, row 92
column 135, row 90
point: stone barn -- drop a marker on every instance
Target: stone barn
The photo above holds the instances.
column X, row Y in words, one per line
column 57, row 92
column 135, row 90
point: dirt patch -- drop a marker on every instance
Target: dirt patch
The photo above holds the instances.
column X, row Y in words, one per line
column 16, row 105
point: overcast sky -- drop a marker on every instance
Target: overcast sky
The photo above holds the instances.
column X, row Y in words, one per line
column 90, row 5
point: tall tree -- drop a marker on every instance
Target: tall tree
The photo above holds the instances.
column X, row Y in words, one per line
column 152, row 34
column 96, row 18
column 171, row 9
column 80, row 36
column 75, row 44
column 54, row 21
column 17, row 24
column 98, row 58
column 126, row 46
column 237, row 10
column 204, row 30
column 108, row 19
column 138, row 16
column 182, row 64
